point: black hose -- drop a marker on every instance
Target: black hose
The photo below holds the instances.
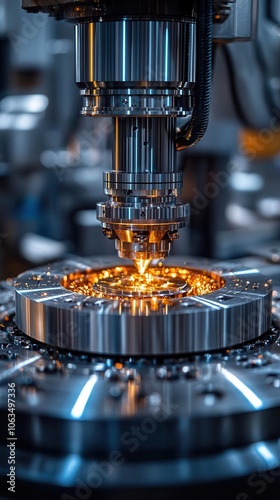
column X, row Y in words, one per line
column 193, row 132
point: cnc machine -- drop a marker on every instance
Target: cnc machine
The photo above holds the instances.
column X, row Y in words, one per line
column 143, row 374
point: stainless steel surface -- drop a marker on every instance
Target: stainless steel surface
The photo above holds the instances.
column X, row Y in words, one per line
column 241, row 395
column 142, row 102
column 142, row 230
column 213, row 416
column 145, row 145
column 136, row 56
column 142, row 213
column 129, row 398
column 139, row 68
column 238, row 312
column 143, row 184
column 137, row 62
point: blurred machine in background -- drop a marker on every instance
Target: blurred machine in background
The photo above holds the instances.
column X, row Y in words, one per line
column 170, row 384
column 51, row 162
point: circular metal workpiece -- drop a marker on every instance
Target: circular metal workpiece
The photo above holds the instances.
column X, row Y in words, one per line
column 138, row 286
column 213, row 416
column 237, row 311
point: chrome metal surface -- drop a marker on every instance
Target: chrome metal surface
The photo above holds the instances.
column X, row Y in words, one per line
column 139, row 70
column 143, row 245
column 238, row 312
column 143, row 223
column 138, row 103
column 228, row 391
column 214, row 416
column 145, row 145
column 137, row 63
column 147, row 184
column 142, row 213
column 154, row 54
column 135, row 55
column 142, row 229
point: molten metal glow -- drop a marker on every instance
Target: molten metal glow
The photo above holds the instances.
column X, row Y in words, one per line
column 122, row 282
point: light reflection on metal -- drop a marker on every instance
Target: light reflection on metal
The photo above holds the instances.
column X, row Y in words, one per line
column 129, row 402
column 270, row 459
column 81, row 402
column 251, row 397
column 17, row 368
column 241, row 272
column 45, row 299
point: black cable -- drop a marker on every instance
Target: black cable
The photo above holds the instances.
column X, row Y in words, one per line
column 196, row 128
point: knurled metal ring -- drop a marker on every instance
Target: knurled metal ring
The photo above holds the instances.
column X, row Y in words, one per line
column 152, row 214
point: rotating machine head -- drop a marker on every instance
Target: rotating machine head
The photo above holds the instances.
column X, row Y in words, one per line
column 145, row 64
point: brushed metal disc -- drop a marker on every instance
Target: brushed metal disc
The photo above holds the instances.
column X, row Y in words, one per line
column 238, row 312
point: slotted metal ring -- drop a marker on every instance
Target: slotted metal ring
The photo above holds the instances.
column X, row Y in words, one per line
column 238, row 312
